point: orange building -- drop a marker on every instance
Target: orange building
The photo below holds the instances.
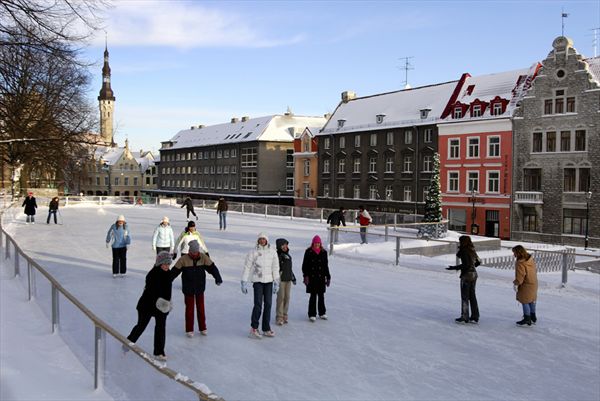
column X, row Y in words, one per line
column 305, row 168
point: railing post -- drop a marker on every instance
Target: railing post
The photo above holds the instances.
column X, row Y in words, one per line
column 203, row 204
column 242, row 208
column 330, row 240
column 29, row 282
column 386, row 233
column 99, row 357
column 395, row 222
column 397, row 251
column 266, row 208
column 292, row 213
column 55, row 309
column 16, row 255
column 321, row 218
column 565, row 267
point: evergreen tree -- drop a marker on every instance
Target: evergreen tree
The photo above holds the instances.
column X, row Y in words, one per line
column 433, row 205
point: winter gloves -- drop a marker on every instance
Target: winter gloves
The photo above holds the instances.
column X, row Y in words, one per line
column 108, row 244
column 275, row 287
column 516, row 288
column 328, row 281
column 219, row 282
column 245, row 285
column 293, row 279
column 163, row 305
column 305, row 280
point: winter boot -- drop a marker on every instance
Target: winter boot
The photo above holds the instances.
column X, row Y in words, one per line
column 533, row 318
column 254, row 333
column 461, row 320
column 525, row 322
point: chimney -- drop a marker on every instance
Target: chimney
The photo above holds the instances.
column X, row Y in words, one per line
column 141, row 152
column 192, row 127
column 327, row 116
column 201, row 126
column 245, row 118
column 347, row 96
column 234, row 120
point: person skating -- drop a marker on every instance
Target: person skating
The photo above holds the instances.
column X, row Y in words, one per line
column 335, row 219
column 52, row 210
column 188, row 235
column 363, row 219
column 222, row 212
column 262, row 270
column 119, row 237
column 189, row 207
column 163, row 238
column 525, row 284
column 194, row 266
column 30, row 206
column 155, row 302
column 287, row 278
column 315, row 269
column 468, row 279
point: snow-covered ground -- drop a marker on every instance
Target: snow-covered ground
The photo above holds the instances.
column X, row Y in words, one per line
column 390, row 334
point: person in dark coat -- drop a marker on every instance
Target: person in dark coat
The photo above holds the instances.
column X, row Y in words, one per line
column 222, row 208
column 30, row 206
column 287, row 279
column 157, row 294
column 468, row 279
column 189, row 206
column 334, row 220
column 315, row 269
column 194, row 266
column 52, row 209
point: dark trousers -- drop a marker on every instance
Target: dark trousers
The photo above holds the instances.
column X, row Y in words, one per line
column 160, row 249
column 119, row 264
column 467, row 295
column 30, row 218
column 317, row 299
column 159, row 329
column 192, row 212
column 189, row 312
column 263, row 294
column 51, row 212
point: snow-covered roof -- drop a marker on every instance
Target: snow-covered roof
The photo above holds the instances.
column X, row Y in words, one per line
column 399, row 108
column 109, row 155
column 273, row 128
column 594, row 67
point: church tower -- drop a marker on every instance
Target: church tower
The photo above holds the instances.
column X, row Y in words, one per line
column 107, row 103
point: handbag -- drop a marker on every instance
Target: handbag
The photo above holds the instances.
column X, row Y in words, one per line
column 163, row 305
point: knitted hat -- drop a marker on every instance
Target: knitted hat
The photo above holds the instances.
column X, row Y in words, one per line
column 163, row 258
column 121, row 218
column 316, row 239
column 194, row 247
column 263, row 235
column 165, row 219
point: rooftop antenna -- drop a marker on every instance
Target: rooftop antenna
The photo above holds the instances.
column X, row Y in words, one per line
column 407, row 66
column 563, row 15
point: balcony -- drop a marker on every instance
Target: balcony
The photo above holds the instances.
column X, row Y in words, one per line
column 529, row 197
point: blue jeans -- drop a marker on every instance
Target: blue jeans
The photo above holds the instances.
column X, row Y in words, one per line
column 50, row 213
column 363, row 235
column 222, row 220
column 263, row 293
column 528, row 309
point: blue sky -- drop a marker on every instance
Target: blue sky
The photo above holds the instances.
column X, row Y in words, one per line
column 181, row 63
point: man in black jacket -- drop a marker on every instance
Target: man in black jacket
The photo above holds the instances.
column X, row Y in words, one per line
column 334, row 220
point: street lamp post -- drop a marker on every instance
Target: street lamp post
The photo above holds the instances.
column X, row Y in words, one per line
column 474, row 226
column 587, row 217
column 106, row 167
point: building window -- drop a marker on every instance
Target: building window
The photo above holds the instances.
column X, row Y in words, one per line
column 306, row 144
column 560, row 104
column 427, row 163
column 494, row 146
column 408, row 137
column 530, row 219
column 493, row 182
column 473, row 181
column 289, row 182
column 454, row 149
column 98, row 181
column 225, row 169
column 551, row 141
column 212, row 169
column 342, row 166
column 574, row 221
column 453, row 180
column 249, row 180
column 389, row 164
column 341, row 191
column 407, row 194
column 389, row 192
column 565, row 141
column 356, row 191
column 457, row 219
column 306, row 168
column 357, row 141
column 212, row 155
column 476, row 111
column 407, row 164
column 233, row 185
column 457, row 112
column 580, row 140
column 341, row 123
column 342, row 142
column 373, row 140
column 425, row 192
column 389, row 138
column 289, row 158
column 372, row 165
column 537, row 142
column 532, row 179
column 219, row 154
column 356, row 165
column 497, row 109
column 234, row 169
column 326, row 190
column 226, row 154
column 233, row 154
column 126, row 181
column 326, row 143
column 249, row 158
column 219, row 169
column 326, row 166
column 373, row 193
column 473, row 151
column 428, row 135
column 570, row 105
column 306, row 187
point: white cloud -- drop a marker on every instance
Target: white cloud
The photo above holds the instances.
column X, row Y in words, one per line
column 183, row 25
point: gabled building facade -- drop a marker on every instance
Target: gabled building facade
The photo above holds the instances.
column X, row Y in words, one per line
column 557, row 152
column 306, row 168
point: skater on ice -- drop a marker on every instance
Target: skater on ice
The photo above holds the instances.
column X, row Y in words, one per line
column 315, row 269
column 468, row 279
column 287, row 279
column 525, row 284
column 30, row 206
column 163, row 238
column 119, row 238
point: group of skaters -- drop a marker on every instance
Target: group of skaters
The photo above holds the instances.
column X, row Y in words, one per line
column 30, row 205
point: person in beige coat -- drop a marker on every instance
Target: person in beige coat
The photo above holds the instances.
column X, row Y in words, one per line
column 525, row 284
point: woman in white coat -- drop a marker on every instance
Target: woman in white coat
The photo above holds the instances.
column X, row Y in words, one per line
column 163, row 238
column 262, row 270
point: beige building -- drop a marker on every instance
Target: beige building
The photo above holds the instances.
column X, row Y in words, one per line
column 305, row 168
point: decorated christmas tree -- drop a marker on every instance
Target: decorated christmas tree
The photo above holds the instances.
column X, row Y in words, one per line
column 433, row 205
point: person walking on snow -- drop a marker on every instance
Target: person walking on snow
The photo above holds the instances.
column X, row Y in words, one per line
column 262, row 270
column 287, row 279
column 315, row 269
column 30, row 206
column 52, row 209
column 222, row 212
column 163, row 238
column 155, row 302
column 335, row 219
column 363, row 219
column 194, row 266
column 188, row 235
column 189, row 206
column 118, row 235
column 525, row 284
column 468, row 279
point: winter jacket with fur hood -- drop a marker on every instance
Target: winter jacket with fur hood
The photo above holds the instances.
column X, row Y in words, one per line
column 526, row 279
column 262, row 264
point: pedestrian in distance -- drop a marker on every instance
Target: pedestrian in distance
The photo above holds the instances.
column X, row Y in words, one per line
column 189, row 208
column 287, row 278
column 363, row 219
column 525, row 284
column 194, row 266
column 188, row 235
column 163, row 238
column 30, row 206
column 155, row 302
column 261, row 268
column 52, row 210
column 468, row 279
column 222, row 212
column 335, row 219
column 315, row 269
column 119, row 238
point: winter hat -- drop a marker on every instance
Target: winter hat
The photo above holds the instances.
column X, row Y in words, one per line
column 121, row 218
column 316, row 239
column 262, row 235
column 165, row 219
column 194, row 247
column 163, row 258
column 191, row 224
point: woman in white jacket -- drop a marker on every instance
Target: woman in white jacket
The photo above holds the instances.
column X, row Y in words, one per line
column 188, row 235
column 163, row 238
column 262, row 270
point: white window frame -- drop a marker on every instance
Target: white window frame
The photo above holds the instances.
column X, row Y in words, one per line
column 476, row 111
column 306, row 167
column 372, row 164
column 472, row 176
column 427, row 163
column 373, row 140
column 357, row 141
column 356, row 165
column 356, row 191
column 389, row 164
column 408, row 137
column 473, row 148
column 492, row 182
column 342, row 142
column 407, row 193
column 389, row 192
column 326, row 166
column 341, row 191
column 326, row 190
column 453, row 181
column 493, row 148
column 326, row 143
column 407, row 164
column 428, row 135
column 373, row 191
column 453, row 146
column 389, row 138
column 341, row 166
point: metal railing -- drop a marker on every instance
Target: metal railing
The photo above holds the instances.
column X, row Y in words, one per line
column 118, row 367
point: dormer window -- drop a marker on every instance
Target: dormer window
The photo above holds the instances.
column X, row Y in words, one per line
column 341, row 123
column 476, row 110
column 424, row 113
column 379, row 118
column 497, row 109
column 457, row 112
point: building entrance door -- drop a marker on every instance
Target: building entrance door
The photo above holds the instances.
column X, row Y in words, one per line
column 492, row 223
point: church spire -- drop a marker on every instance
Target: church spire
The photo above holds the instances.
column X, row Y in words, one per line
column 106, row 92
column 106, row 101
